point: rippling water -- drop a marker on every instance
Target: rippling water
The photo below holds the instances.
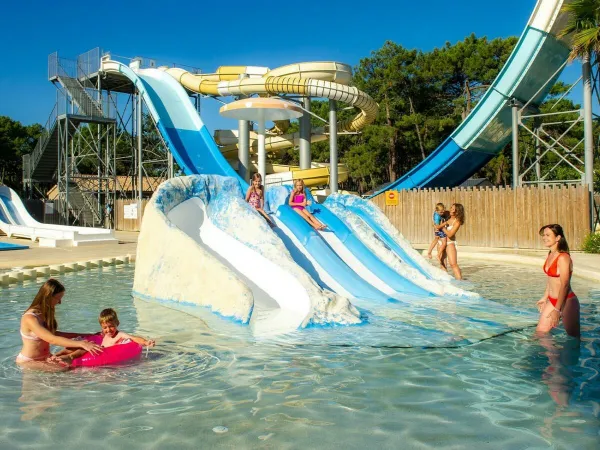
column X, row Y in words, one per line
column 208, row 383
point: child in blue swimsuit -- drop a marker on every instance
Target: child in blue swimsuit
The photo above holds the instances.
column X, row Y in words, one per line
column 439, row 216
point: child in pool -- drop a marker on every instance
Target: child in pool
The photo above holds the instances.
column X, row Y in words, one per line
column 255, row 195
column 299, row 202
column 439, row 217
column 112, row 336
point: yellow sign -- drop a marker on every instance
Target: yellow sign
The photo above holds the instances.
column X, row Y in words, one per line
column 391, row 198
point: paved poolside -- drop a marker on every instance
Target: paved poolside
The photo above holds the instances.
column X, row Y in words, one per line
column 36, row 256
column 586, row 265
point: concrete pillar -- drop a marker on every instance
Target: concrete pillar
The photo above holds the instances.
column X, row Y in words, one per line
column 262, row 155
column 244, row 149
column 515, row 145
column 588, row 136
column 333, row 148
column 305, row 129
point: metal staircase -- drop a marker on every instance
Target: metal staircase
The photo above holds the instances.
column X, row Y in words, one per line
column 85, row 104
column 83, row 207
column 41, row 164
column 53, row 160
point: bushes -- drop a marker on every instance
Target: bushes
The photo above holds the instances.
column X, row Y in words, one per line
column 591, row 243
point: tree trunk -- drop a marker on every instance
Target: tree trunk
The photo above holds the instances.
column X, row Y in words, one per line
column 466, row 111
column 421, row 146
column 499, row 172
column 393, row 138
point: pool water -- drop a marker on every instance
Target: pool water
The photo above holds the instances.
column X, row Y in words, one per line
column 209, row 384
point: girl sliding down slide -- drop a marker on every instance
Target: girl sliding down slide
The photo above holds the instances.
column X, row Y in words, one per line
column 299, row 202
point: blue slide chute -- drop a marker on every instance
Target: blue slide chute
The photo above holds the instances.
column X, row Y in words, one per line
column 528, row 75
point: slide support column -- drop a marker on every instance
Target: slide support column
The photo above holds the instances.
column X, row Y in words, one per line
column 333, row 148
column 515, row 144
column 305, row 159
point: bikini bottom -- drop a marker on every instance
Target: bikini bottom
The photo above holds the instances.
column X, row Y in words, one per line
column 554, row 300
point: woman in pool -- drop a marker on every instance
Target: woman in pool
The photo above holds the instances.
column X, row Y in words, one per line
column 451, row 226
column 39, row 330
column 558, row 299
column 299, row 202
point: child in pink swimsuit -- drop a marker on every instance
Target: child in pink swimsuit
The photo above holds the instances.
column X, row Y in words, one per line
column 299, row 202
column 255, row 195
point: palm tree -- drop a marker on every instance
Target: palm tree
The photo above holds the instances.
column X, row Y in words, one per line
column 583, row 29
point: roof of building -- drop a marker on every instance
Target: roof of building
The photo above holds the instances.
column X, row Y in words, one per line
column 123, row 184
column 477, row 182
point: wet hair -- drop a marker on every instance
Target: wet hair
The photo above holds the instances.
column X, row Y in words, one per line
column 257, row 176
column 459, row 212
column 108, row 315
column 563, row 245
column 439, row 206
column 299, row 180
column 42, row 302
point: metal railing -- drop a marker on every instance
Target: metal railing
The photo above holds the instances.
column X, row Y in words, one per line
column 88, row 63
column 75, row 78
column 31, row 160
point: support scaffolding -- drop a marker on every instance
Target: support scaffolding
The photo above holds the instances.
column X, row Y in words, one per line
column 557, row 147
column 100, row 144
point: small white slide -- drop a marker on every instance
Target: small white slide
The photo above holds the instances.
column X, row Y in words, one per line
column 16, row 221
column 281, row 303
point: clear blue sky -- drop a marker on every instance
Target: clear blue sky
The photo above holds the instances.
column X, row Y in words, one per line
column 212, row 33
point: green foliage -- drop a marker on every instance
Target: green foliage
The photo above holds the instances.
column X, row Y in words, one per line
column 591, row 243
column 16, row 140
column 583, row 27
column 423, row 97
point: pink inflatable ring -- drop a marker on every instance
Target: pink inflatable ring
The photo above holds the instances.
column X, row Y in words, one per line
column 111, row 355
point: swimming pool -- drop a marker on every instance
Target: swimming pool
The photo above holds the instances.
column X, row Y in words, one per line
column 319, row 388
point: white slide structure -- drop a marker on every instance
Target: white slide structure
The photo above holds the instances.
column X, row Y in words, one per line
column 280, row 302
column 15, row 220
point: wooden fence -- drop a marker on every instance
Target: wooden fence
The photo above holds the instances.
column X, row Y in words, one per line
column 123, row 224
column 495, row 217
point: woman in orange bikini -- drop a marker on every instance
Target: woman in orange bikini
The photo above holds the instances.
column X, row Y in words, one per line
column 39, row 330
column 558, row 300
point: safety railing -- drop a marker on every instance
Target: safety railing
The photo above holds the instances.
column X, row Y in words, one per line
column 88, row 63
column 31, row 160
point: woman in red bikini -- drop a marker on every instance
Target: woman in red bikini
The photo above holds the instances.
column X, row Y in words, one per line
column 558, row 300
column 39, row 330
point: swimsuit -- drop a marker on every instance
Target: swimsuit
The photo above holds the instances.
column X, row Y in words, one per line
column 450, row 241
column 254, row 199
column 22, row 358
column 553, row 272
column 31, row 336
column 298, row 199
column 437, row 219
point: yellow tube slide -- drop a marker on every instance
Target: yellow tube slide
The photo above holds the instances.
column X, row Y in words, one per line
column 314, row 79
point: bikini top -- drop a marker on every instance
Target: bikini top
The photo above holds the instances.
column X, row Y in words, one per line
column 552, row 271
column 31, row 336
column 449, row 227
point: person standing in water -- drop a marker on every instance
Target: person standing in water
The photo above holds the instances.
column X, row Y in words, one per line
column 451, row 226
column 559, row 301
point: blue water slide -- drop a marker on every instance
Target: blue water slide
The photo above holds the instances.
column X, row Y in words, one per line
column 527, row 77
column 325, row 257
column 8, row 212
column 363, row 254
column 195, row 151
column 389, row 240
